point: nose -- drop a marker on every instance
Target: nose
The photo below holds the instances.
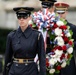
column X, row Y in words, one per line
column 21, row 18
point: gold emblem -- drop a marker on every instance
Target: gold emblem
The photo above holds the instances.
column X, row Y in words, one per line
column 21, row 9
column 20, row 60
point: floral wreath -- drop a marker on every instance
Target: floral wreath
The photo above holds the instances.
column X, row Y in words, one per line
column 60, row 39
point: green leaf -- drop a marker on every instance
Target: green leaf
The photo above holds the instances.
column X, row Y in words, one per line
column 44, row 29
column 73, row 45
column 57, row 71
column 71, row 32
column 52, row 36
column 33, row 25
column 68, row 62
column 65, row 22
column 71, row 55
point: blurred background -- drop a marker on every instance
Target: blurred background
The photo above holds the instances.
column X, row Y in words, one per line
column 8, row 21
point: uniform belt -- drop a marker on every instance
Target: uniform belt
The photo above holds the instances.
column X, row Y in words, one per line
column 17, row 60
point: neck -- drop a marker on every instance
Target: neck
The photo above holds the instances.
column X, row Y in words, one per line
column 23, row 28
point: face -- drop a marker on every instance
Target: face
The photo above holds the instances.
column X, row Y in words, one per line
column 23, row 21
column 52, row 9
column 63, row 15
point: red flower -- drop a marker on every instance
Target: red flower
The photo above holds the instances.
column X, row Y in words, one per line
column 47, row 62
column 63, row 27
column 58, row 67
column 64, row 48
column 30, row 25
column 70, row 42
column 58, row 47
column 65, row 39
column 55, row 26
column 63, row 56
column 63, row 34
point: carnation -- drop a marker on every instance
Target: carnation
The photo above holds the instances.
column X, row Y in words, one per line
column 59, row 40
column 70, row 50
column 51, row 71
column 58, row 52
column 52, row 61
column 63, row 64
column 68, row 34
column 58, row 32
column 30, row 22
column 60, row 23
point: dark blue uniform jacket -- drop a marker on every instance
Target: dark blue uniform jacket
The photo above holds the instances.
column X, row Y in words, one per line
column 26, row 45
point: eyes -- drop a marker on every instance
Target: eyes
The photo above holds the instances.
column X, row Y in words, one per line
column 22, row 17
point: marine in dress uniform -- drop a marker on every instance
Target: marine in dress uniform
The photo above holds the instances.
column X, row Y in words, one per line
column 61, row 9
column 22, row 47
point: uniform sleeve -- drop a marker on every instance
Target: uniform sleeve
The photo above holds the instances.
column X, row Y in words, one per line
column 8, row 53
column 41, row 55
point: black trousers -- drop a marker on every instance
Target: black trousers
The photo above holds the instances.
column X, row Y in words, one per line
column 23, row 69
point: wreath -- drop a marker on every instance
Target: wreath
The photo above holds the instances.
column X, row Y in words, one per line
column 60, row 39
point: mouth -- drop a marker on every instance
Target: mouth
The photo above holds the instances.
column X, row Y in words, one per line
column 22, row 22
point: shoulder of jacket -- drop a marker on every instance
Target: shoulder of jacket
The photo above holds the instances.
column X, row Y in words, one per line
column 69, row 23
column 11, row 33
column 39, row 34
column 72, row 25
column 36, row 31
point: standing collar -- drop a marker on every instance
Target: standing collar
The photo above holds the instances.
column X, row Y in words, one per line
column 27, row 32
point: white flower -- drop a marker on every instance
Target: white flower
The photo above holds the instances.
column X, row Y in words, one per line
column 59, row 40
column 58, row 52
column 52, row 61
column 57, row 58
column 59, row 23
column 70, row 50
column 68, row 34
column 63, row 64
column 30, row 22
column 47, row 56
column 58, row 32
column 51, row 71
